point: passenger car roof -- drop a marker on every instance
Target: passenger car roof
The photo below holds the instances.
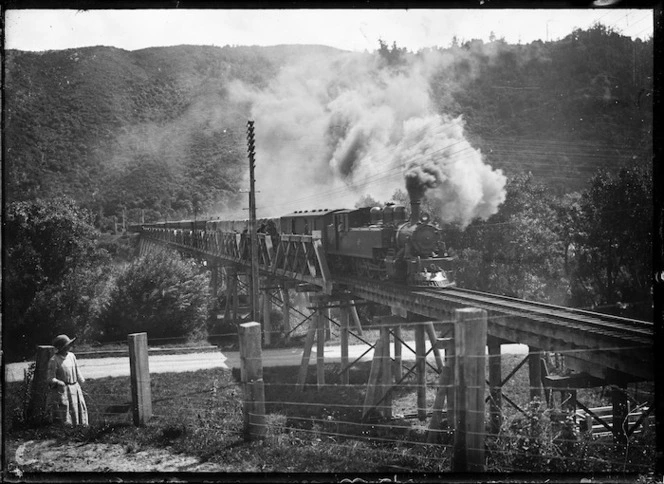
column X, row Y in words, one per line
column 312, row 213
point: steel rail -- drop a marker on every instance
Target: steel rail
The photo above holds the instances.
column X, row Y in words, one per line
column 636, row 330
column 596, row 323
column 645, row 327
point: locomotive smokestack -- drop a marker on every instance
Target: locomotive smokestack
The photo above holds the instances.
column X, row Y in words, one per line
column 416, row 189
column 415, row 210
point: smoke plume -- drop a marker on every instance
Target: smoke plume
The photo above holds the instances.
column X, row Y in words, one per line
column 330, row 130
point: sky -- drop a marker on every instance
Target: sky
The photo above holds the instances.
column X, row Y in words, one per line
column 354, row 30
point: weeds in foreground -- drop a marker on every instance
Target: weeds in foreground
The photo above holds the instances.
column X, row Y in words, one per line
column 321, row 429
column 548, row 440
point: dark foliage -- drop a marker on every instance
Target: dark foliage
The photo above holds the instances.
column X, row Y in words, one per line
column 156, row 129
column 160, row 294
column 53, row 274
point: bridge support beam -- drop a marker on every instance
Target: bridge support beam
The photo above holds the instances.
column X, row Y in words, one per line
column 344, row 316
column 385, row 375
column 285, row 309
column 214, row 283
column 398, row 368
column 267, row 308
column 444, row 397
column 321, row 323
column 620, row 411
column 495, row 386
column 420, row 362
column 431, row 332
column 535, row 372
column 316, row 333
column 356, row 317
column 380, row 378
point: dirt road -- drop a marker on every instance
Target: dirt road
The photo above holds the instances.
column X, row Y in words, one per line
column 119, row 366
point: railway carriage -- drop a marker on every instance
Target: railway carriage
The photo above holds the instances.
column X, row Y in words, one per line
column 379, row 243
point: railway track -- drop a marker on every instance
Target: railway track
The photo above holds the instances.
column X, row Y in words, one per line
column 624, row 328
column 598, row 343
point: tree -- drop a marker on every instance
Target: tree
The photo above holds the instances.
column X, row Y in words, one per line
column 516, row 252
column 367, row 201
column 614, row 243
column 50, row 249
column 161, row 294
column 393, row 57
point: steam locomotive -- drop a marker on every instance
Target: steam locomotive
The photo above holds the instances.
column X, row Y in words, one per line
column 377, row 243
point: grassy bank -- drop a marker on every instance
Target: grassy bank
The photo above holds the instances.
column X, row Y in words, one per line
column 321, row 430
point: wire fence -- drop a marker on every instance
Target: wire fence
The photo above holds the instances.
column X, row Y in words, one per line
column 547, row 434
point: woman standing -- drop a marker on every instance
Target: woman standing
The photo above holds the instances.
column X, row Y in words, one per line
column 64, row 378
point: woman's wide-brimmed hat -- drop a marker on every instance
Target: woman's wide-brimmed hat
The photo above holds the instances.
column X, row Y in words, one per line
column 62, row 341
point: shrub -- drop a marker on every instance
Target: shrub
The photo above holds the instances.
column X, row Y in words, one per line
column 160, row 294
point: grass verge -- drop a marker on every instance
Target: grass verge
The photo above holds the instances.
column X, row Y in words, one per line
column 321, row 429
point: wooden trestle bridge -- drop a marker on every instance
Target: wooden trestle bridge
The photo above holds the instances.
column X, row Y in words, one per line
column 601, row 350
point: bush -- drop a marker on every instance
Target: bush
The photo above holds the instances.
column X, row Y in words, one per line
column 160, row 294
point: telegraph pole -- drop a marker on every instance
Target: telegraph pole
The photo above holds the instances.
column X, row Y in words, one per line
column 252, row 223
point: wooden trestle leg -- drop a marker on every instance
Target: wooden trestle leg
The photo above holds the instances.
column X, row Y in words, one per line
column 306, row 355
column 386, row 375
column 285, row 308
column 495, row 389
column 420, row 362
column 320, row 323
column 535, row 372
column 374, row 374
column 344, row 314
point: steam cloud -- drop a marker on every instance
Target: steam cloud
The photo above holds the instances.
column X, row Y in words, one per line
column 329, row 131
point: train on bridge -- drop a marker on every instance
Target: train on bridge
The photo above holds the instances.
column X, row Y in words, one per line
column 373, row 242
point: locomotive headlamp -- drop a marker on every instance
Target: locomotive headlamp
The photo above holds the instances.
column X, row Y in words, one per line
column 424, row 218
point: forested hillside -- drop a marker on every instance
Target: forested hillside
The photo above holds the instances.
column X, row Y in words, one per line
column 161, row 129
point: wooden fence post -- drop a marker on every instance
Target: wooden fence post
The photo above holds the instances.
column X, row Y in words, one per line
column 37, row 410
column 470, row 334
column 251, row 374
column 141, row 395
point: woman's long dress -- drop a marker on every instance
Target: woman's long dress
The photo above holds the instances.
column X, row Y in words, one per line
column 68, row 403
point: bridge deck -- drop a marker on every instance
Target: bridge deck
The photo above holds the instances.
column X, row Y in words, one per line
column 608, row 347
column 605, row 346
